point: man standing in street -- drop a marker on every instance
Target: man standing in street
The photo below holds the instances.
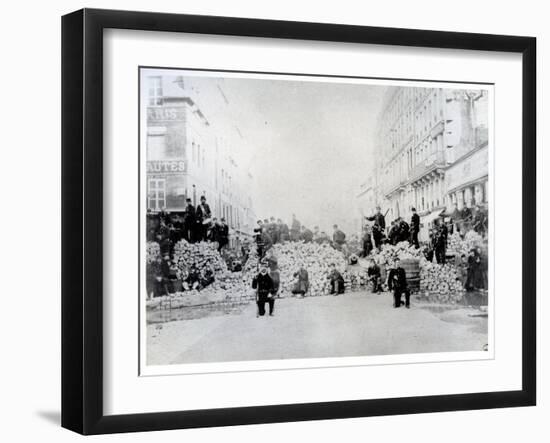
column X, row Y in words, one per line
column 203, row 219
column 415, row 228
column 379, row 227
column 263, row 284
column 397, row 281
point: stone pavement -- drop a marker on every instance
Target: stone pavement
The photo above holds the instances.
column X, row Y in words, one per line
column 353, row 324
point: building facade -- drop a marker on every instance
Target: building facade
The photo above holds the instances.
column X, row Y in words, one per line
column 429, row 151
column 189, row 156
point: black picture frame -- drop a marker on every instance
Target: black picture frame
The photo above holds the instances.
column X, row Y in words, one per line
column 82, row 218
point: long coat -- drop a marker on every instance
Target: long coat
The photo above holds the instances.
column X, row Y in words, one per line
column 303, row 281
column 397, row 279
column 263, row 284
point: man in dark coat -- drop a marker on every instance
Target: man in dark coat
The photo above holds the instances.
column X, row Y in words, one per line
column 394, row 233
column 336, row 281
column 415, row 228
column 379, row 227
column 263, row 284
column 204, row 215
column 404, row 230
column 189, row 222
column 367, row 242
column 472, row 270
column 479, row 223
column 375, row 276
column 397, row 281
column 440, row 246
column 302, row 284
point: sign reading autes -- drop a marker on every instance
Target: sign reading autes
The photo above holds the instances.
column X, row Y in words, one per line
column 165, row 167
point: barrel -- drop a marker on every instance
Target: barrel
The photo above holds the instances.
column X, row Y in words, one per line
column 412, row 272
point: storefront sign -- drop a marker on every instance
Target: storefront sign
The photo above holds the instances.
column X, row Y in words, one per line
column 165, row 167
column 164, row 114
column 468, row 170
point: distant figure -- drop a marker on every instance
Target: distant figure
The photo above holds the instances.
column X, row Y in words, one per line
column 336, row 281
column 397, row 281
column 189, row 222
column 295, row 229
column 415, row 228
column 375, row 276
column 273, row 230
column 302, row 284
column 306, row 235
column 263, row 284
column 284, row 233
column 367, row 242
column 338, row 238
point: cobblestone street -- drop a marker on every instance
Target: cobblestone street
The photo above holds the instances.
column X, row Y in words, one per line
column 355, row 324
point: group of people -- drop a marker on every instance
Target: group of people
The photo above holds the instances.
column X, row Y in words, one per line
column 272, row 231
column 164, row 277
column 375, row 236
column 195, row 224
column 473, row 270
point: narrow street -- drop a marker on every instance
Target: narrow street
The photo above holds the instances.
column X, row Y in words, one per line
column 355, row 324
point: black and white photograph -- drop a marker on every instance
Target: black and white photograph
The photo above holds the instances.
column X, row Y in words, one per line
column 301, row 217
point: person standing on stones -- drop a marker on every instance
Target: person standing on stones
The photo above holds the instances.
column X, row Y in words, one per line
column 379, row 227
column 338, row 238
column 415, row 228
column 306, row 235
column 284, row 233
column 295, row 229
column 397, row 281
column 189, row 222
column 204, row 215
column 263, row 284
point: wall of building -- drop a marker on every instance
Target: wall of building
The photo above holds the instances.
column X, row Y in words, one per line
column 189, row 155
column 422, row 133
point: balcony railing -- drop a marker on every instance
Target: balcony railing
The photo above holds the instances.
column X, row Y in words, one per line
column 434, row 161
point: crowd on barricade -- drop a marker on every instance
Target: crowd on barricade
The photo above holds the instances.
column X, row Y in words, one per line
column 196, row 226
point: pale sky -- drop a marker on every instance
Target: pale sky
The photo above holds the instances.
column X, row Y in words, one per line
column 308, row 144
